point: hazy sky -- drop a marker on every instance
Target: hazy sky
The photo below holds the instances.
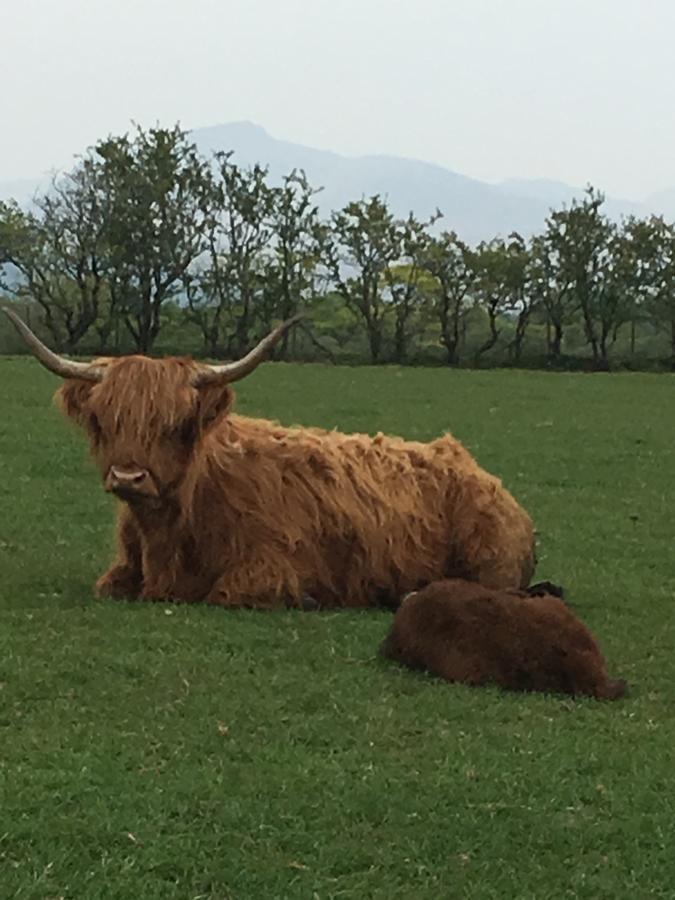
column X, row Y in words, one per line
column 575, row 90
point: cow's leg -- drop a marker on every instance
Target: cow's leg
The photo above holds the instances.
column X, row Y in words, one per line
column 259, row 583
column 124, row 579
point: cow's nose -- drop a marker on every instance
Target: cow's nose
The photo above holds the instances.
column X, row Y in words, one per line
column 126, row 479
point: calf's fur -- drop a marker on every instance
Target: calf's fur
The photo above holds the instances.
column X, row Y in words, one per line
column 465, row 632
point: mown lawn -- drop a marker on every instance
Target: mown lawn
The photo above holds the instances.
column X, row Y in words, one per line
column 158, row 752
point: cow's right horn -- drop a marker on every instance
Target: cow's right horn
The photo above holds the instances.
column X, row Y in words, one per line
column 228, row 372
column 66, row 368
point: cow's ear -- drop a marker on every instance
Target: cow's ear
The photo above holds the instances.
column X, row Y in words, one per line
column 215, row 402
column 72, row 397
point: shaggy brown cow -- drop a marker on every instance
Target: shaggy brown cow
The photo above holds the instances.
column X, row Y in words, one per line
column 462, row 631
column 239, row 511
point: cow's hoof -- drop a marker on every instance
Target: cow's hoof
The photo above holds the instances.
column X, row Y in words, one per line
column 545, row 588
column 306, row 603
column 117, row 586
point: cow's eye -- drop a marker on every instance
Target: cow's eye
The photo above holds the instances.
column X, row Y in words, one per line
column 94, row 427
column 187, row 432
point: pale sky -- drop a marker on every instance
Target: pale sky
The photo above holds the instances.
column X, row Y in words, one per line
column 573, row 90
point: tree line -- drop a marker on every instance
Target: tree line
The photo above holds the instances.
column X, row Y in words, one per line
column 145, row 236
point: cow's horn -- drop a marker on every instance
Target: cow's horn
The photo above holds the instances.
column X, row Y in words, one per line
column 66, row 368
column 233, row 371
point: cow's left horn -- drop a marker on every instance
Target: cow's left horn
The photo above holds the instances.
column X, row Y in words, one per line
column 234, row 371
column 66, row 368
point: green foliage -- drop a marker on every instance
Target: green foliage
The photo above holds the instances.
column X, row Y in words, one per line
column 365, row 241
column 587, row 248
column 158, row 207
column 649, row 272
column 143, row 222
column 451, row 270
column 502, row 272
column 299, row 236
column 59, row 252
column 405, row 282
column 170, row 752
column 225, row 291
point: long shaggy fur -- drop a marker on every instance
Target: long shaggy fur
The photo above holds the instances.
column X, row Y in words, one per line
column 252, row 513
column 465, row 632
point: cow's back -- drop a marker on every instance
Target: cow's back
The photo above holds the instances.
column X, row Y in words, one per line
column 362, row 519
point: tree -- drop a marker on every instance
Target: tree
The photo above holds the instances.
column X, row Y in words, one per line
column 159, row 205
column 585, row 249
column 640, row 267
column 405, row 279
column 364, row 241
column 450, row 262
column 521, row 299
column 225, row 289
column 502, row 275
column 622, row 286
column 649, row 267
column 298, row 239
column 551, row 287
column 60, row 253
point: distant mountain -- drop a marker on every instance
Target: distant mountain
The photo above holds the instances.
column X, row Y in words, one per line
column 475, row 209
column 556, row 193
column 663, row 203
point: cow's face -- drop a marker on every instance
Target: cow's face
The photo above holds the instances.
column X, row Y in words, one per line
column 145, row 419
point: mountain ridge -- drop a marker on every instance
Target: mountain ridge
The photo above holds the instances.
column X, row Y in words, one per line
column 477, row 210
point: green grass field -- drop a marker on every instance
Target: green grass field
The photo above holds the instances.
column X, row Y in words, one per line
column 158, row 752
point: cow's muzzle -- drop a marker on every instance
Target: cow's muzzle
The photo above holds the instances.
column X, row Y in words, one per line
column 130, row 483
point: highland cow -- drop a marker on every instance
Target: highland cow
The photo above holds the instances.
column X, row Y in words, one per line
column 463, row 631
column 238, row 511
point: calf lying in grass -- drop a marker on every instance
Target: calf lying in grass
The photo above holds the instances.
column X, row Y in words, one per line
column 462, row 631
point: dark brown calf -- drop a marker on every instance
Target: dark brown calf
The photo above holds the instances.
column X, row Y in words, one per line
column 461, row 631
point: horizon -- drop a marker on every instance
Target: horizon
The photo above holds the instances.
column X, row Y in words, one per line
column 56, row 169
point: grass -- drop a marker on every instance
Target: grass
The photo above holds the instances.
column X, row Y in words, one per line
column 166, row 752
